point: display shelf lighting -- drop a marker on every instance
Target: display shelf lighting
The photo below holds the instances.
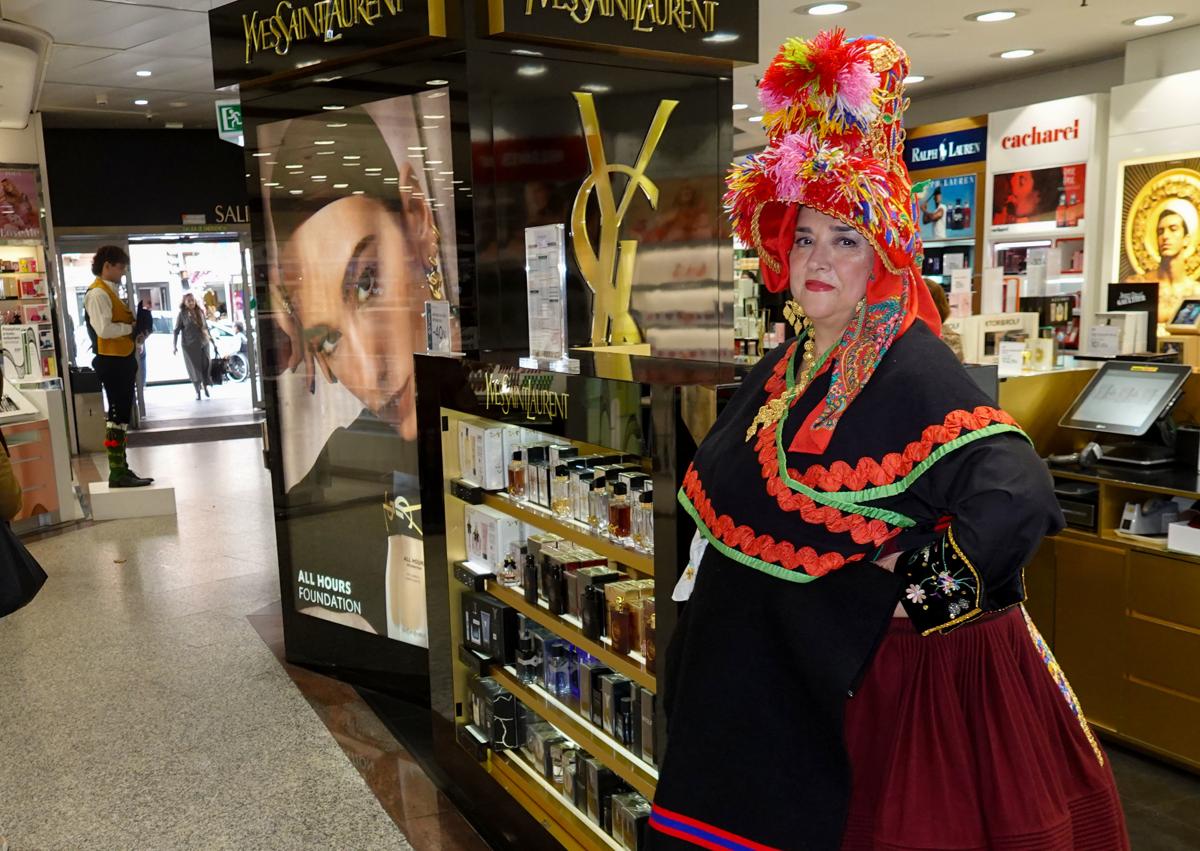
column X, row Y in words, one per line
column 434, row 117
column 324, row 142
column 296, row 191
column 532, row 70
column 823, row 9
column 141, row 102
column 1152, row 20
column 260, row 154
column 351, row 157
column 596, row 88
column 994, row 16
column 336, row 124
column 725, row 37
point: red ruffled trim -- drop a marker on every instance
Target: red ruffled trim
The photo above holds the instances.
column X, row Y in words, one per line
column 896, row 465
column 746, row 540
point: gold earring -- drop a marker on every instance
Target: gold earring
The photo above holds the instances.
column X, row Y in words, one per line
column 794, row 314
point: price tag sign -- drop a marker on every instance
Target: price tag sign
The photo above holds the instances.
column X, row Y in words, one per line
column 960, row 281
column 1104, row 341
column 1012, row 358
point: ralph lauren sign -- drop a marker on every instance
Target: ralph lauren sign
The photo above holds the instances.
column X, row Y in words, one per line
column 944, row 149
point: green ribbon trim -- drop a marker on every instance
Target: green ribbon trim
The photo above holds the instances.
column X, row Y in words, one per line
column 737, row 555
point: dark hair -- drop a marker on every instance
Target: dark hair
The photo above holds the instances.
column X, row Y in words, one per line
column 114, row 254
column 1170, row 212
column 939, row 298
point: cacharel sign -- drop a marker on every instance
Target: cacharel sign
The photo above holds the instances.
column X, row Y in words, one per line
column 1041, row 136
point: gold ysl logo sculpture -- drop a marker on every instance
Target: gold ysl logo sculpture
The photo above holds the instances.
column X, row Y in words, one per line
column 609, row 276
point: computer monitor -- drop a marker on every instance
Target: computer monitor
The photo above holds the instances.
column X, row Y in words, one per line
column 1127, row 397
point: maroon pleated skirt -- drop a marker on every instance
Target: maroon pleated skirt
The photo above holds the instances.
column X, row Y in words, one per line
column 973, row 740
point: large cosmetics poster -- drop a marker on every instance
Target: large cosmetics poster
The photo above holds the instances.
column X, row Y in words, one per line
column 359, row 206
column 20, row 217
column 947, row 208
column 1160, row 218
column 1039, row 199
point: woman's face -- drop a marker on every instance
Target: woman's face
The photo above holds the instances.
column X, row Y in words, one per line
column 830, row 266
column 1025, row 196
column 189, row 301
column 357, row 283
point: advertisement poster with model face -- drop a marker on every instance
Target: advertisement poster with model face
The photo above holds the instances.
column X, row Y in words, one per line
column 1040, row 199
column 948, row 208
column 357, row 205
column 19, row 211
column 1160, row 218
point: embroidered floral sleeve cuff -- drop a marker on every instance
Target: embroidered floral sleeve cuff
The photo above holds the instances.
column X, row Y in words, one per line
column 942, row 589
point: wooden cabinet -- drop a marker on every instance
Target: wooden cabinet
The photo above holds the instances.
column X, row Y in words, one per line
column 1089, row 618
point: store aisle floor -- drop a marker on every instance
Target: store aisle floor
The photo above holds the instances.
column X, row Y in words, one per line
column 142, row 710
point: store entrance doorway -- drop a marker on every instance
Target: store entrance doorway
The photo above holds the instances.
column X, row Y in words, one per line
column 163, row 268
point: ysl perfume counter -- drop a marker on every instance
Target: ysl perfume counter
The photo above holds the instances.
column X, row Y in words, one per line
column 551, row 548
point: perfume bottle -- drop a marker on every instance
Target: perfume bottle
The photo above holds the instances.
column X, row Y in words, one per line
column 558, row 675
column 527, row 663
column 516, row 476
column 619, row 512
column 581, row 496
column 625, row 721
column 529, row 579
column 510, row 574
column 643, row 521
column 648, row 627
column 593, row 612
column 598, row 508
column 560, row 491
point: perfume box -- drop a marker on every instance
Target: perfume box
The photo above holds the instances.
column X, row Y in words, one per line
column 602, row 784
column 537, row 731
column 537, row 540
column 495, row 713
column 489, row 535
column 498, row 626
column 590, row 672
column 570, row 768
column 585, row 576
column 559, row 453
column 476, row 580
column 648, row 742
column 548, row 653
column 481, row 454
column 537, row 483
column 627, row 810
column 613, row 687
column 473, row 741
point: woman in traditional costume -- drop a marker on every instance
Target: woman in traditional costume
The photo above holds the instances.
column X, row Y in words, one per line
column 854, row 668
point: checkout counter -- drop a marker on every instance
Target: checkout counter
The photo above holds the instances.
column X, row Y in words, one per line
column 1121, row 610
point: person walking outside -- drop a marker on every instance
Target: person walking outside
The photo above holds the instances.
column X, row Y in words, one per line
column 110, row 325
column 194, row 328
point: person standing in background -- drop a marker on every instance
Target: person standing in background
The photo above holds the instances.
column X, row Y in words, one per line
column 950, row 337
column 110, row 325
column 194, row 328
column 143, row 327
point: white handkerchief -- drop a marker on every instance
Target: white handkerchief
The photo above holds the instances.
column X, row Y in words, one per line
column 683, row 588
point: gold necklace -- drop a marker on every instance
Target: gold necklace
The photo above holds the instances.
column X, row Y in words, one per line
column 773, row 410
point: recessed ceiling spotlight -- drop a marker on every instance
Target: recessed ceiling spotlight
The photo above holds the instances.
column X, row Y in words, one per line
column 336, row 124
column 392, row 180
column 324, row 142
column 333, row 107
column 260, row 154
column 319, row 177
column 141, row 102
column 1151, row 20
column 293, row 165
column 433, row 162
column 532, row 70
column 372, row 169
column 434, row 117
column 351, row 157
column 993, row 16
column 429, row 126
column 296, row 191
column 341, row 185
column 721, row 37
column 437, row 82
column 272, row 183
column 826, row 8
column 755, row 118
column 737, row 107
column 144, row 73
column 358, row 192
column 445, row 172
column 416, row 156
column 418, row 148
column 598, row 88
column 1018, row 53
column 913, row 79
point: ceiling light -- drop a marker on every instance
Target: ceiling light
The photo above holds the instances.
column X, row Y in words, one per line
column 432, row 95
column 598, row 88
column 320, row 177
column 178, row 104
column 418, row 147
column 755, row 118
column 1018, row 53
column 326, row 153
column 372, row 169
column 141, row 102
column 721, row 37
column 144, row 73
column 1153, row 20
column 416, row 156
column 445, row 172
column 433, row 117
column 993, row 17
column 272, row 183
column 357, row 192
column 296, row 191
column 520, row 51
column 433, row 162
column 912, row 79
column 293, row 165
column 391, row 180
column 324, row 142
column 429, row 126
column 327, row 79
column 260, row 154
column 351, row 157
column 456, row 182
column 532, row 70
column 336, row 124
column 341, row 185
column 826, row 9
column 332, row 107
column 437, row 82
column 738, row 107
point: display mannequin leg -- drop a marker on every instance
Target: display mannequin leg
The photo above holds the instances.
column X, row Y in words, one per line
column 117, row 376
column 119, row 474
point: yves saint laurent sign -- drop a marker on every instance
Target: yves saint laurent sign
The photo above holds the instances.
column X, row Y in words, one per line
column 714, row 29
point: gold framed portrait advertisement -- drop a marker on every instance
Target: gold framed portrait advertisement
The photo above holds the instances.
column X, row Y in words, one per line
column 359, row 220
column 1160, row 228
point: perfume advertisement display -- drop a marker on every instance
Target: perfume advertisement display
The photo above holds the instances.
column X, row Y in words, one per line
column 20, row 217
column 1160, row 217
column 1046, row 198
column 948, row 208
column 358, row 208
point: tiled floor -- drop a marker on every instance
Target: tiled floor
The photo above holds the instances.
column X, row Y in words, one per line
column 142, row 709
column 145, row 704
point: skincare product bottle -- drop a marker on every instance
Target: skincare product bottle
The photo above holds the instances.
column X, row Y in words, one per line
column 516, row 476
